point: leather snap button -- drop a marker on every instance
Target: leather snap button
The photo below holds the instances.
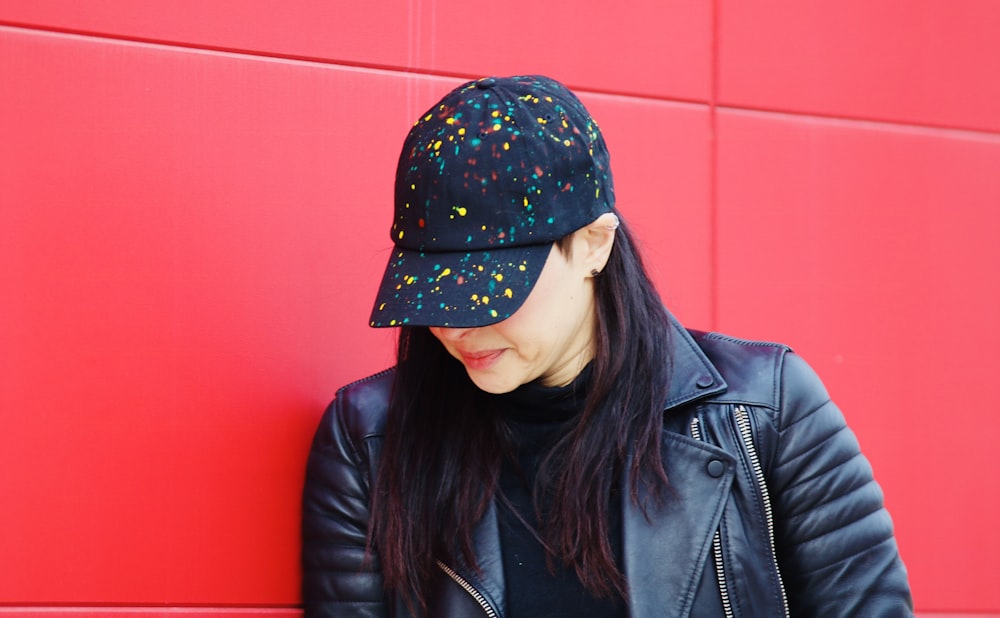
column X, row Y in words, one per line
column 705, row 382
column 487, row 83
column 715, row 468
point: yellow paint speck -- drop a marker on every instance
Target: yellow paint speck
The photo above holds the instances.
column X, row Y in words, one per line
column 498, row 276
column 493, row 312
column 508, row 293
column 444, row 273
column 506, row 146
column 437, row 145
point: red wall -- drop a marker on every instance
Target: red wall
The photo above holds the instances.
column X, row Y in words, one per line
column 194, row 203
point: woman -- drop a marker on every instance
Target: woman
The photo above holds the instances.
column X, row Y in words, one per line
column 551, row 441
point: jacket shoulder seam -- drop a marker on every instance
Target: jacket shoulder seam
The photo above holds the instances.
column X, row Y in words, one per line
column 748, row 342
column 773, row 351
column 349, row 416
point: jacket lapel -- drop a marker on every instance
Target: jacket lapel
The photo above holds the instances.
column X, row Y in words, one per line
column 665, row 548
column 450, row 599
column 486, row 538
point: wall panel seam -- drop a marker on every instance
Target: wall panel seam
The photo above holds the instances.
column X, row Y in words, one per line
column 863, row 122
column 713, row 167
column 7, row 25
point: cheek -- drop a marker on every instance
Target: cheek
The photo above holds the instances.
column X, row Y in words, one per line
column 528, row 335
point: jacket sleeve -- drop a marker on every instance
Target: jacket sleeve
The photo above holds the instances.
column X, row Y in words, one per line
column 338, row 578
column 834, row 538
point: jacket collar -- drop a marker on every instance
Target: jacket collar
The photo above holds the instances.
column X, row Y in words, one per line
column 692, row 375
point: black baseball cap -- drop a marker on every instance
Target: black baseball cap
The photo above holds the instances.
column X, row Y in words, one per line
column 488, row 179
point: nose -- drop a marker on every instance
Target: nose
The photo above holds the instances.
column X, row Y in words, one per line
column 447, row 333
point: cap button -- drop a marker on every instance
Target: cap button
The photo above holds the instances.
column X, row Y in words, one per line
column 486, row 83
column 705, row 381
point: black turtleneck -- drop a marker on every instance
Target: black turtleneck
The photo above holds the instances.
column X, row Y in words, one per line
column 537, row 417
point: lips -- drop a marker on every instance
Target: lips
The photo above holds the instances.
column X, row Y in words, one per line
column 480, row 360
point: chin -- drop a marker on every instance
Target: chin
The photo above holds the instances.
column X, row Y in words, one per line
column 494, row 385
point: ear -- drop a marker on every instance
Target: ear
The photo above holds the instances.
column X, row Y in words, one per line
column 595, row 242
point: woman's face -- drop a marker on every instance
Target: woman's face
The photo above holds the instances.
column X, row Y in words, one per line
column 549, row 338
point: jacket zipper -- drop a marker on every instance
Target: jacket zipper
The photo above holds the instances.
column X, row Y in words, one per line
column 746, row 433
column 475, row 594
column 720, row 572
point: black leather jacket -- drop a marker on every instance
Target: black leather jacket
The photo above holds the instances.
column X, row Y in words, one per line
column 773, row 510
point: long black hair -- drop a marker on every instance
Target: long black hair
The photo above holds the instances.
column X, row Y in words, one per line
column 444, row 443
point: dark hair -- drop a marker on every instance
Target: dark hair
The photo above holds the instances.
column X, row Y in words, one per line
column 444, row 444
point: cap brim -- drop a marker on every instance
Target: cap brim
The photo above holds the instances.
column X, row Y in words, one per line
column 456, row 289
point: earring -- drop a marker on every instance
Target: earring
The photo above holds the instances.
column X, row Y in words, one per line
column 595, row 273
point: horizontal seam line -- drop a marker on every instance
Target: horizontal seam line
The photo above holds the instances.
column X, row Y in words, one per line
column 395, row 69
